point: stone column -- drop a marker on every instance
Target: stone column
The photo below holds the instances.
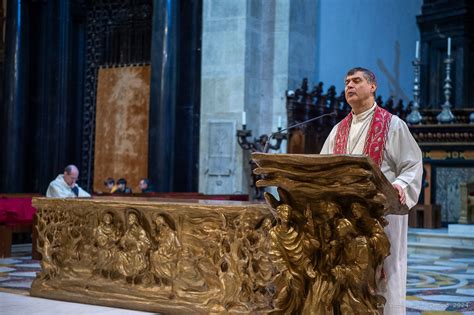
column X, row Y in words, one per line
column 12, row 129
column 252, row 52
column 162, row 94
column 222, row 95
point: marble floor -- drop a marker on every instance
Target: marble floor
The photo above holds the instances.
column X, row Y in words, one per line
column 440, row 285
column 17, row 304
column 436, row 285
column 16, row 275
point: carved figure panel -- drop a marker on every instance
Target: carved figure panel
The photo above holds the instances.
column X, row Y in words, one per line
column 316, row 249
column 328, row 242
column 166, row 257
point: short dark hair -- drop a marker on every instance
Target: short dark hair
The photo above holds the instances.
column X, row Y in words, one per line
column 122, row 181
column 368, row 75
column 109, row 180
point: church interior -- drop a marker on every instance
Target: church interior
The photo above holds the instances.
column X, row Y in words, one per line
column 222, row 107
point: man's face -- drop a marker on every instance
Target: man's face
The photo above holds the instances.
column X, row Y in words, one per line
column 357, row 89
column 142, row 185
column 71, row 178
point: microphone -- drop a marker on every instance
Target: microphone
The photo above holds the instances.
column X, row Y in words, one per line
column 265, row 149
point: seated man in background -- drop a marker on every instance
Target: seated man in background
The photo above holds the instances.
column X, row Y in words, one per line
column 145, row 186
column 122, row 187
column 64, row 186
column 110, row 185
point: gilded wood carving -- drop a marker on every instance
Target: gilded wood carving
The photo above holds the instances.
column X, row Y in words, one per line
column 328, row 242
column 316, row 249
column 168, row 257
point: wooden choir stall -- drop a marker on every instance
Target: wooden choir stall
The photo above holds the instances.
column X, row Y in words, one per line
column 316, row 248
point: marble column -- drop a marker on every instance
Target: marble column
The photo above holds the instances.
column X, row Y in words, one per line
column 162, row 95
column 12, row 129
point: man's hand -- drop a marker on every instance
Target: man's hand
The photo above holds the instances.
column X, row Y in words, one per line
column 401, row 193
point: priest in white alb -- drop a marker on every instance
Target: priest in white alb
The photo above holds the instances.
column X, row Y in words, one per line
column 65, row 186
column 386, row 139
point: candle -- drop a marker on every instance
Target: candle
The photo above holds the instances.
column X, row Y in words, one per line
column 279, row 121
column 244, row 118
column 449, row 46
column 417, row 50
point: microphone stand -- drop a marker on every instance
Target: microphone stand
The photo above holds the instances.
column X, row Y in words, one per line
column 279, row 132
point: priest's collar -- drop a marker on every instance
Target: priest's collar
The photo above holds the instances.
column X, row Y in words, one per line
column 363, row 115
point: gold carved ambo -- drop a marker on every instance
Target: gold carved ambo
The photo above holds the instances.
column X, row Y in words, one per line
column 328, row 241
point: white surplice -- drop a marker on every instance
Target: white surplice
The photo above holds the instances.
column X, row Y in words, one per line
column 58, row 188
column 402, row 165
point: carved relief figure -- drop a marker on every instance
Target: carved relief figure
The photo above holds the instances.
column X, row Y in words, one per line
column 325, row 218
column 287, row 254
column 378, row 241
column 243, row 258
column 107, row 235
column 233, row 261
column 373, row 227
column 324, row 252
column 262, row 269
column 134, row 245
column 198, row 265
column 230, row 280
column 164, row 259
column 353, row 272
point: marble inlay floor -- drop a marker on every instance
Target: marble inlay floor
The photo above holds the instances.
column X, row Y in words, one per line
column 16, row 275
column 440, row 285
column 435, row 285
column 17, row 272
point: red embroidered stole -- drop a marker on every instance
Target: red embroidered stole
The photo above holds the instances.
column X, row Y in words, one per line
column 376, row 136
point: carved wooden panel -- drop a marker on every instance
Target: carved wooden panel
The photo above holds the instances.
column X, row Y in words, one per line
column 321, row 253
column 121, row 138
column 166, row 257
